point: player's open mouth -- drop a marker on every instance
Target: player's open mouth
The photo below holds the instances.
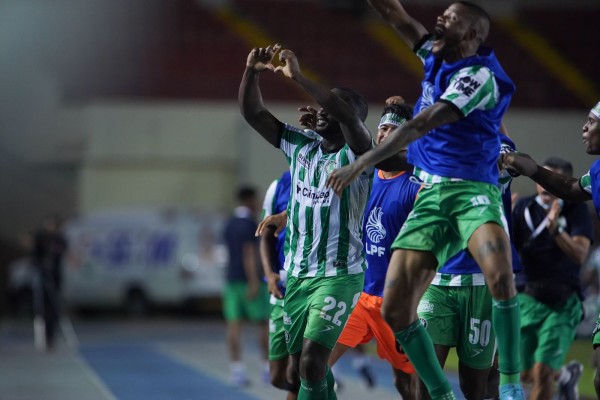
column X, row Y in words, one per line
column 321, row 122
column 438, row 33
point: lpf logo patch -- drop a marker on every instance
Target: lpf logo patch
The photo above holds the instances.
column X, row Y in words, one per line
column 423, row 322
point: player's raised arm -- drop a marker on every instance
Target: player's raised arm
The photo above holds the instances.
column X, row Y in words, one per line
column 409, row 29
column 250, row 97
column 355, row 132
column 562, row 186
column 440, row 113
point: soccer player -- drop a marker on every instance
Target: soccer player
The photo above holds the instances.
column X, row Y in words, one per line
column 272, row 256
column 392, row 197
column 571, row 189
column 456, row 310
column 245, row 296
column 553, row 238
column 325, row 259
column 454, row 146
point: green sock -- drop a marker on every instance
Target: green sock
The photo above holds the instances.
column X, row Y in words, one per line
column 506, row 320
column 330, row 385
column 314, row 390
column 419, row 348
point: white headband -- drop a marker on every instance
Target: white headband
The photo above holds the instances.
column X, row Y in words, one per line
column 596, row 110
column 391, row 119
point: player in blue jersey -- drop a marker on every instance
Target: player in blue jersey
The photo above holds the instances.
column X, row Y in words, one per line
column 454, row 145
column 391, row 200
column 571, row 189
column 456, row 311
column 272, row 256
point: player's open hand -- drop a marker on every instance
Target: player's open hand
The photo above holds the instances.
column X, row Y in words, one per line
column 518, row 164
column 289, row 64
column 279, row 221
column 273, row 280
column 340, row 178
column 309, row 117
column 261, row 58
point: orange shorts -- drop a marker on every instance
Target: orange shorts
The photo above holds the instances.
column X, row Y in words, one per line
column 366, row 323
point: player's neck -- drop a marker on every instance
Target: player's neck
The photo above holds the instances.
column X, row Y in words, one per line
column 332, row 146
column 389, row 174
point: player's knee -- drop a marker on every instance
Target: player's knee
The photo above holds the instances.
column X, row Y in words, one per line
column 312, row 367
column 278, row 377
column 501, row 285
column 396, row 319
column 292, row 387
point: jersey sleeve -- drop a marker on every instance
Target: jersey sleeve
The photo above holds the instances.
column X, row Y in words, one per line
column 472, row 88
column 269, row 201
column 504, row 177
column 293, row 138
column 423, row 48
column 585, row 182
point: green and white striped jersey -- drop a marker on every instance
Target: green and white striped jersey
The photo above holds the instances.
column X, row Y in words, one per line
column 442, row 279
column 324, row 230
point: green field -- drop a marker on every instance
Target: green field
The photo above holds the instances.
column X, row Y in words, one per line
column 581, row 350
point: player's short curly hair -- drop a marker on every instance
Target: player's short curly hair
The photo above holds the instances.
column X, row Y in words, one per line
column 397, row 106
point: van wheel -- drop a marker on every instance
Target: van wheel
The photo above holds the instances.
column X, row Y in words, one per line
column 136, row 304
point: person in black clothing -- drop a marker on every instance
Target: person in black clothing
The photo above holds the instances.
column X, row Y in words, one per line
column 246, row 296
column 49, row 248
column 553, row 239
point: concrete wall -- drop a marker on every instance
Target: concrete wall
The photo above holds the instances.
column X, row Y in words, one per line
column 194, row 154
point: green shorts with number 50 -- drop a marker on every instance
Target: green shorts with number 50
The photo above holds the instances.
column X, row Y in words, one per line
column 445, row 216
column 318, row 308
column 461, row 317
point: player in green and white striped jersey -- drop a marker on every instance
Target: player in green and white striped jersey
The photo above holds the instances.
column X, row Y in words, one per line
column 325, row 260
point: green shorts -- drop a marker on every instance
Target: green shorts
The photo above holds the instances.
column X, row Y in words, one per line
column 461, row 317
column 547, row 333
column 318, row 308
column 277, row 346
column 445, row 216
column 595, row 336
column 236, row 305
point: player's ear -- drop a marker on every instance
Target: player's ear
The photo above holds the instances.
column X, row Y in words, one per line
column 471, row 34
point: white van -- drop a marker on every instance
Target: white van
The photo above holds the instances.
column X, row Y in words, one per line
column 136, row 258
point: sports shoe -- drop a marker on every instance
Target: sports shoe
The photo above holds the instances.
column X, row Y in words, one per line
column 569, row 390
column 511, row 391
column 239, row 380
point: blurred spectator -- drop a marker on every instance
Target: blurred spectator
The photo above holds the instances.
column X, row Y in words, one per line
column 553, row 239
column 48, row 249
column 246, row 296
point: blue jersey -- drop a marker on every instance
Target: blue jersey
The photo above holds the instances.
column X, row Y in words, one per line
column 282, row 197
column 389, row 204
column 462, row 263
column 480, row 91
column 590, row 182
column 276, row 201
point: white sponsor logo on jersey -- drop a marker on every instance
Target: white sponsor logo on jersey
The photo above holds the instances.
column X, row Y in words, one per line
column 426, row 96
column 303, row 161
column 316, row 196
column 375, row 232
column 425, row 306
column 286, row 319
